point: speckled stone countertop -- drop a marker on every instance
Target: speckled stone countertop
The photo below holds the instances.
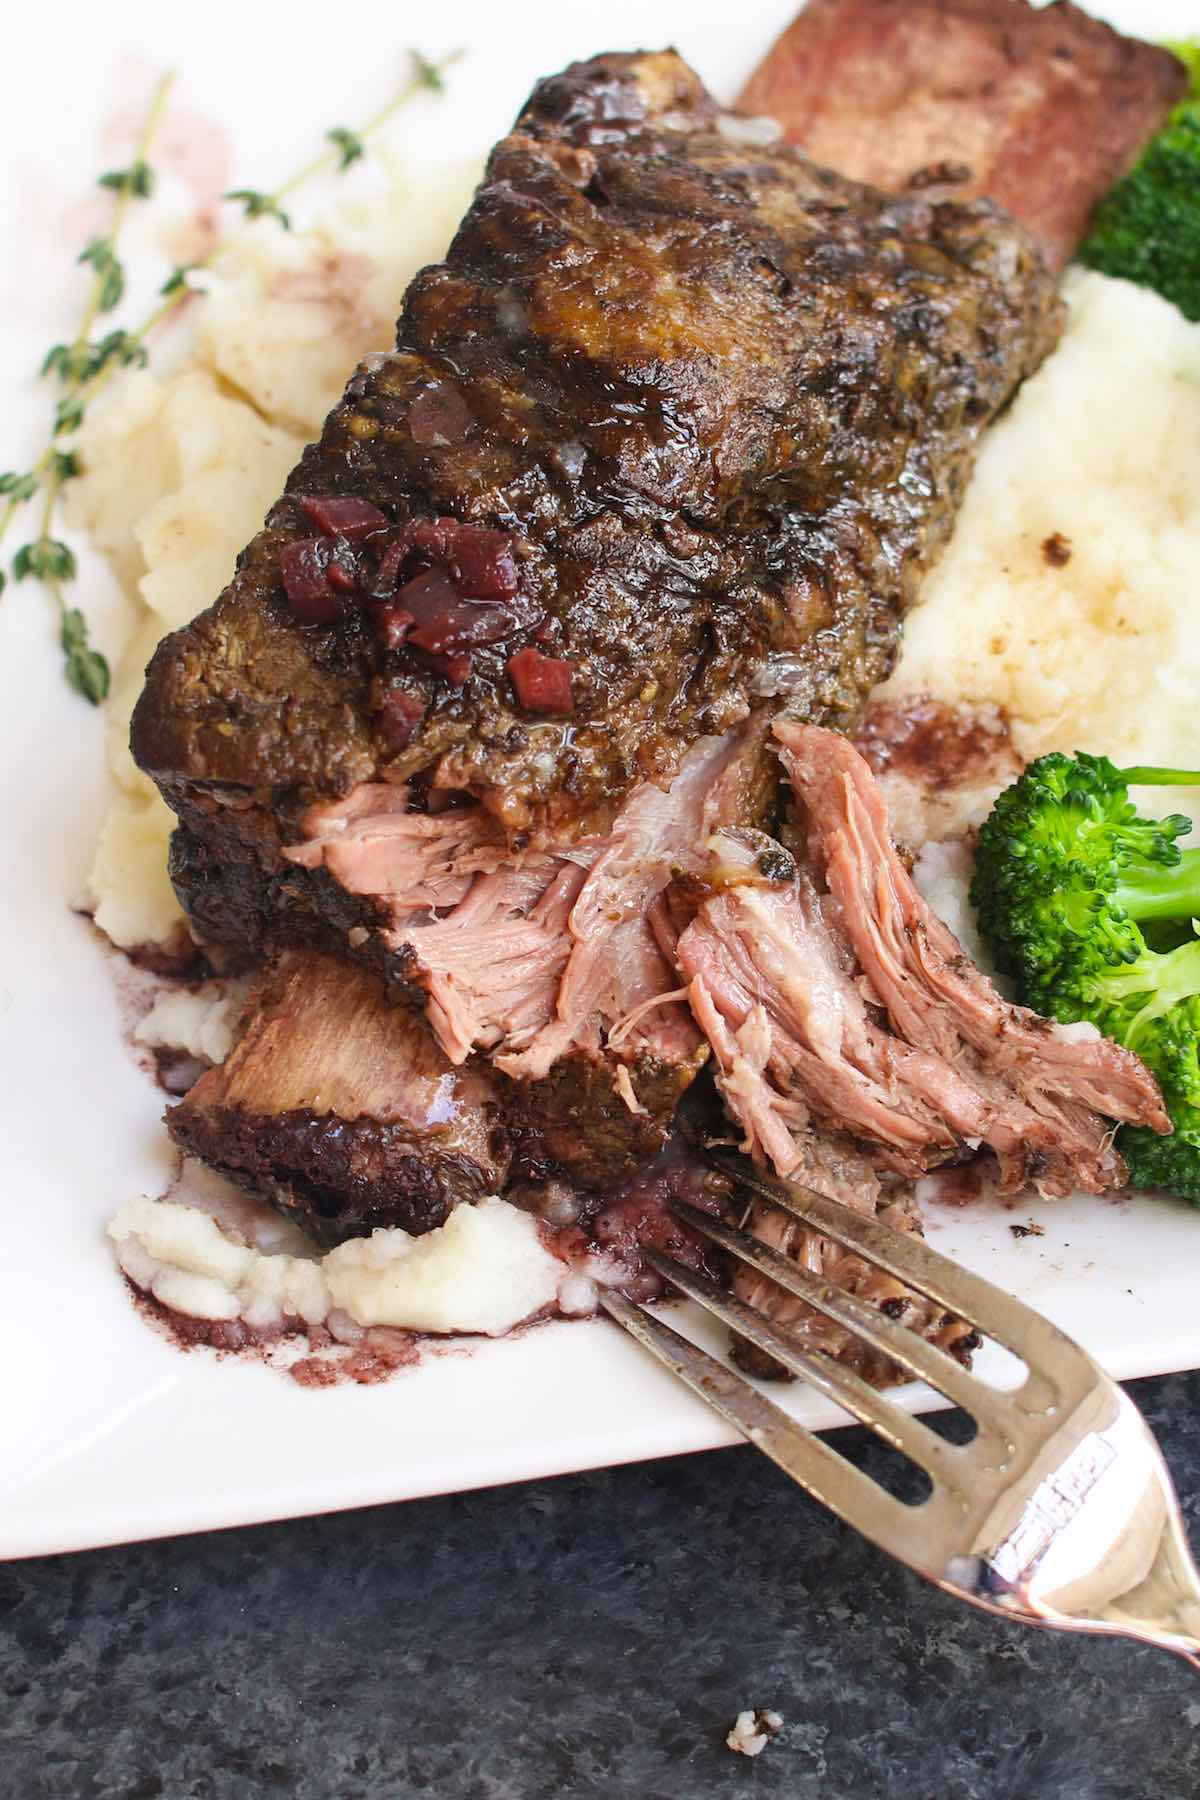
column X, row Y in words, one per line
column 591, row 1636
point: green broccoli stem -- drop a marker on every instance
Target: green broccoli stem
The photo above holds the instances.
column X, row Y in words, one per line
column 1145, row 776
column 1148, row 989
column 1162, row 893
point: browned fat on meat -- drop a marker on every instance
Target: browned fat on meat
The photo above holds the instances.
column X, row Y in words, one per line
column 1038, row 108
column 840, row 997
column 342, row 1110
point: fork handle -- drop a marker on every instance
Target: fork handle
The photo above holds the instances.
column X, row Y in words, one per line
column 1162, row 1608
column 1165, row 1609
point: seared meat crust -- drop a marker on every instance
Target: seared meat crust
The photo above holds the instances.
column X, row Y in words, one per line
column 341, row 1110
column 722, row 402
column 575, row 1120
column 336, row 1178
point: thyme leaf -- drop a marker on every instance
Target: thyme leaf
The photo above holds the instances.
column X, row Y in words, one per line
column 19, row 487
column 117, row 347
column 46, row 559
column 257, row 205
column 429, row 74
column 110, row 275
column 137, row 180
column 79, row 363
column 58, row 360
column 86, row 669
column 68, row 414
column 177, row 280
column 98, row 251
column 348, row 144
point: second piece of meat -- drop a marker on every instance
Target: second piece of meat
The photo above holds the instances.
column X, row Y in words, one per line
column 342, row 1110
column 1039, row 107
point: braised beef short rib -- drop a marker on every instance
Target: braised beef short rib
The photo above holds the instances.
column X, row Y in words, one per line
column 672, row 433
column 477, row 738
column 674, row 429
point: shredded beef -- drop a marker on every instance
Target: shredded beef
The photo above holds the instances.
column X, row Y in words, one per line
column 839, row 996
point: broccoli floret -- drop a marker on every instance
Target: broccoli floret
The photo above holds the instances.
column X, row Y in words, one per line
column 1066, row 873
column 1170, row 1163
column 1066, row 868
column 1152, row 1006
column 1147, row 228
column 1149, row 1004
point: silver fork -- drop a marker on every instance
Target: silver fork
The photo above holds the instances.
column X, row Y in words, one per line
column 1060, row 1511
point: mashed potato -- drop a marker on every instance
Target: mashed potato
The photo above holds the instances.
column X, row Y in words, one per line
column 485, row 1270
column 1099, row 652
column 199, row 1021
column 180, row 471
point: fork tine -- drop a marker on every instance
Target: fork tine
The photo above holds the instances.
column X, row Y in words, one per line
column 917, row 1357
column 833, row 1379
column 818, row 1469
column 997, row 1314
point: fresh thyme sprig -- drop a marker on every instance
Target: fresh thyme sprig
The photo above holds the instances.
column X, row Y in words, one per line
column 347, row 146
column 84, row 366
column 177, row 290
column 47, row 559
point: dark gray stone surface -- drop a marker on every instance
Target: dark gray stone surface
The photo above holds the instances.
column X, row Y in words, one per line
column 592, row 1636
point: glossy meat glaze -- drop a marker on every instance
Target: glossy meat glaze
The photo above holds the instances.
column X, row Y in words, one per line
column 712, row 408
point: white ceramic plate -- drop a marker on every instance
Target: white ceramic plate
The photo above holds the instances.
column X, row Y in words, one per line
column 107, row 1433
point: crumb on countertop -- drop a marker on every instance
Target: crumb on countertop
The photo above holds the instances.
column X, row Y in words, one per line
column 752, row 1731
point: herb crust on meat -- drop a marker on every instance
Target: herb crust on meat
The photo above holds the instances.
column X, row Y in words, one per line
column 720, row 404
